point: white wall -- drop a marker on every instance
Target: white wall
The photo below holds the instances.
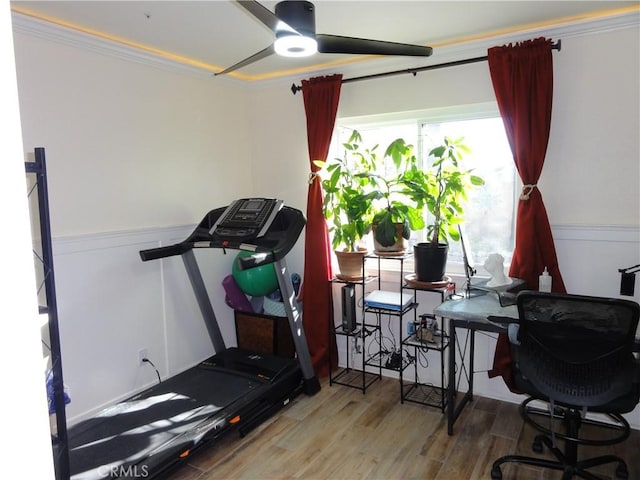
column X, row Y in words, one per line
column 279, row 154
column 24, row 400
column 592, row 169
column 138, row 154
column 128, row 145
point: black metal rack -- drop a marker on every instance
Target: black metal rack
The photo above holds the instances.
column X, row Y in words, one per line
column 408, row 347
column 44, row 258
column 398, row 360
column 369, row 328
column 349, row 375
column 415, row 391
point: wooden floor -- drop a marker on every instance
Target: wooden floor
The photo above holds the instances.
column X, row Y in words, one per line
column 342, row 434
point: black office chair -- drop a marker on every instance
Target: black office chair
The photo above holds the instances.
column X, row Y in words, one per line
column 575, row 354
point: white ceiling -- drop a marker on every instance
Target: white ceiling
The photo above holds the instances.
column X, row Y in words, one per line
column 217, row 34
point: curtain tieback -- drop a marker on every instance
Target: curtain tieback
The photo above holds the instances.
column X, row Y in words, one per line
column 526, row 191
column 312, row 177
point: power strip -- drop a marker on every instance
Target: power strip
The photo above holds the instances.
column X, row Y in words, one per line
column 394, row 361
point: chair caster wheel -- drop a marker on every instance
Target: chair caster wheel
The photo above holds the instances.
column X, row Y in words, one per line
column 537, row 445
column 621, row 472
column 496, row 473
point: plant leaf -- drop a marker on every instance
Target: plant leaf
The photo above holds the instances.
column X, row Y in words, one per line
column 386, row 232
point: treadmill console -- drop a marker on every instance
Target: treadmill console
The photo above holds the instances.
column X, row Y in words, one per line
column 261, row 225
column 247, row 218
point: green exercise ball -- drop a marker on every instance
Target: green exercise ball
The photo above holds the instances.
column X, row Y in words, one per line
column 257, row 281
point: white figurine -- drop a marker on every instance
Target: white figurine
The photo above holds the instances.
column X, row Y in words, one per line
column 494, row 265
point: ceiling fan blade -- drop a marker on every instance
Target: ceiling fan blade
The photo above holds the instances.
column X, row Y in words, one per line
column 266, row 16
column 253, row 58
column 362, row 46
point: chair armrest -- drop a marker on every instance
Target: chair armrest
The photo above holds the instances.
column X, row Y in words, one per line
column 510, row 323
column 512, row 331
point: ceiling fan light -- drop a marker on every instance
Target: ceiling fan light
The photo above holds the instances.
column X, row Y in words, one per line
column 295, row 46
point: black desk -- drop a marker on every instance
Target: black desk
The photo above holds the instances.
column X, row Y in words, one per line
column 471, row 314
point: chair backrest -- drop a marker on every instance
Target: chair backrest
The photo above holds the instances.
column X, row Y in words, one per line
column 576, row 349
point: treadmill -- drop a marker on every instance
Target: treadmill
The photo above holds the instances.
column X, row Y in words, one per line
column 234, row 390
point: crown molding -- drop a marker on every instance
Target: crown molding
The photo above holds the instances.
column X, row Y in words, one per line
column 444, row 52
column 466, row 48
column 67, row 36
column 576, row 28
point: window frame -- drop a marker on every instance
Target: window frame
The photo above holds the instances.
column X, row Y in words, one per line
column 417, row 118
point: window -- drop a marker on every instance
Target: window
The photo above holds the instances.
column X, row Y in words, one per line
column 489, row 225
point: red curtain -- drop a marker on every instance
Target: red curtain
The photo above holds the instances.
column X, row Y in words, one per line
column 321, row 96
column 522, row 77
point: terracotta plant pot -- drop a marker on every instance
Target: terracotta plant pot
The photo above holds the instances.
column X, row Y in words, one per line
column 350, row 264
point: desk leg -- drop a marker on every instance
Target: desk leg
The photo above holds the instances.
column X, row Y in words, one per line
column 451, row 390
column 453, row 410
column 472, row 350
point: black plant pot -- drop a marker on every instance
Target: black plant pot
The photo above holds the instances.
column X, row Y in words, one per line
column 430, row 261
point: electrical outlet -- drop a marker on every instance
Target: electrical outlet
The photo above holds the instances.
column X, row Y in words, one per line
column 142, row 354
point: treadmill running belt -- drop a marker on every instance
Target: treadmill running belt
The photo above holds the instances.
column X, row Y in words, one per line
column 160, row 421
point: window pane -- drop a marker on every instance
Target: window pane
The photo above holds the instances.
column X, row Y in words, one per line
column 490, row 212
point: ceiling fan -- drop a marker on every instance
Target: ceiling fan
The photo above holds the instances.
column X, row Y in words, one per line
column 294, row 26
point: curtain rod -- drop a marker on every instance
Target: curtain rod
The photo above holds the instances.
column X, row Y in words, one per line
column 296, row 88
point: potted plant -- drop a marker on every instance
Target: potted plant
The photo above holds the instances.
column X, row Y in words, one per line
column 347, row 208
column 447, row 184
column 398, row 199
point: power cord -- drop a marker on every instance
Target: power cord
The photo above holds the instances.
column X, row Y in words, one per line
column 146, row 360
column 422, row 359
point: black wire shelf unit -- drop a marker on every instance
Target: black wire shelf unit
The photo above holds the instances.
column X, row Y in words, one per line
column 350, row 375
column 38, row 193
column 417, row 391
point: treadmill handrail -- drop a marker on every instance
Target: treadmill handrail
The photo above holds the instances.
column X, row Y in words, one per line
column 272, row 246
column 162, row 252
